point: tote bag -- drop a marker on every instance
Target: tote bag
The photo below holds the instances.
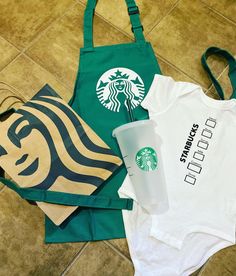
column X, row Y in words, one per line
column 55, row 157
column 108, row 76
column 232, row 70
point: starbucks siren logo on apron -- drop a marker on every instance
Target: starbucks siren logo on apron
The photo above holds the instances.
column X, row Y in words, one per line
column 146, row 159
column 117, row 85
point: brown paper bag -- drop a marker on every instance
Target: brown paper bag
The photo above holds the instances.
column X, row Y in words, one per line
column 46, row 145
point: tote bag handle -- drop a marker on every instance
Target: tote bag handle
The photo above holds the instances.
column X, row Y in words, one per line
column 232, row 69
column 133, row 11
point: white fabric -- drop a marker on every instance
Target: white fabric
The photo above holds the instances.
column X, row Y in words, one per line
column 202, row 193
column 202, row 215
column 152, row 257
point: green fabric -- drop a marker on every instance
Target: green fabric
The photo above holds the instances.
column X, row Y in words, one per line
column 42, row 195
column 97, row 224
column 88, row 22
column 232, row 69
column 32, row 194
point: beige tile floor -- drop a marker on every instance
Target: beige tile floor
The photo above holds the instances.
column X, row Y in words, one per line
column 39, row 43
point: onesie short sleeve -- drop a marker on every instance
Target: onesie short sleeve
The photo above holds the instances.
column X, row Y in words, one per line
column 163, row 93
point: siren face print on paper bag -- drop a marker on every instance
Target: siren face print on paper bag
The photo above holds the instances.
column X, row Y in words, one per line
column 117, row 85
column 46, row 145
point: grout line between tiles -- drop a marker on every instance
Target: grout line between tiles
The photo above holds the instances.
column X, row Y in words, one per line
column 37, row 37
column 121, row 30
column 159, row 57
column 83, row 4
column 80, row 2
column 219, row 76
column 129, row 36
column 218, row 12
column 19, row 93
column 19, row 50
column 11, row 61
column 209, row 89
column 23, row 51
column 41, row 33
column 64, row 84
column 109, row 23
column 158, row 22
column 117, row 251
column 77, row 256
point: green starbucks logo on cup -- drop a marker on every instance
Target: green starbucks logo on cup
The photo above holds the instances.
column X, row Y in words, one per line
column 146, row 159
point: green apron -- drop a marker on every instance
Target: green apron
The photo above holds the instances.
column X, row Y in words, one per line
column 108, row 76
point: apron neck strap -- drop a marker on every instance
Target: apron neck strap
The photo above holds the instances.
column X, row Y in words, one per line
column 232, row 69
column 133, row 12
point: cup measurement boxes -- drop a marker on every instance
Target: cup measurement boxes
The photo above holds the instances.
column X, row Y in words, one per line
column 195, row 166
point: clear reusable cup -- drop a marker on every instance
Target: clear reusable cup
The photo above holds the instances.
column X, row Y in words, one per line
column 140, row 147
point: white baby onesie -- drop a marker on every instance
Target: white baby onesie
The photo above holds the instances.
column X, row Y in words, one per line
column 198, row 136
column 152, row 257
